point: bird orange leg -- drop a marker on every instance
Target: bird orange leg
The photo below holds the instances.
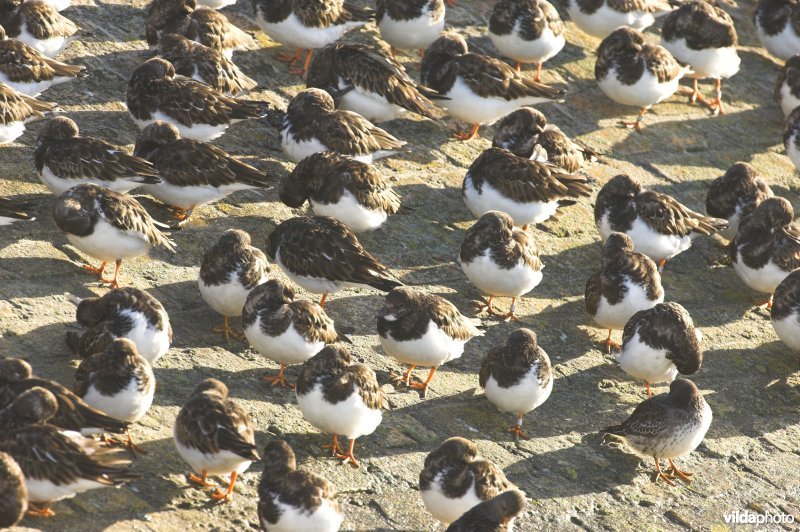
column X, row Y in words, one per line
column 219, row 495
column 40, row 510
column 290, row 58
column 673, row 471
column 637, row 125
column 302, row 71
column 696, row 96
column 334, row 446
column 649, row 393
column 510, row 316
column 201, row 480
column 279, row 379
column 661, row 265
column 518, row 67
column 393, row 52
column 473, row 133
column 113, row 283
column 716, row 105
column 421, row 53
column 611, row 344
column 661, row 475
column 132, row 447
column 767, row 303
column 227, row 330
column 349, row 457
column 406, row 377
column 538, row 75
column 322, row 299
column 516, row 428
column 480, row 306
column 97, row 271
column 423, row 385
column 181, row 214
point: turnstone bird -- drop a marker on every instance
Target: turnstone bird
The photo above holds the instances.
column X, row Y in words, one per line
column 107, row 226
column 735, row 195
column 231, row 268
column 600, row 18
column 785, row 314
column 340, row 398
column 480, row 89
column 527, row 190
column 659, row 226
column 627, row 283
column 787, row 86
column 410, row 24
column 118, row 382
column 12, row 210
column 57, row 465
column 667, row 426
column 13, row 493
column 660, row 342
column 499, row 260
column 527, row 31
column 526, row 128
column 632, row 72
column 204, row 64
column 517, row 377
column 455, row 479
column 200, row 24
column 312, row 124
column 767, row 246
column 495, row 515
column 422, row 329
column 291, row 500
column 27, row 70
column 192, row 172
column 198, row 111
column 121, row 313
column 702, row 36
column 791, row 139
column 41, row 27
column 285, row 330
column 350, row 191
column 16, row 110
column 64, row 158
column 777, row 27
column 322, row 255
column 305, row 25
column 364, row 80
column 214, row 436
column 16, row 377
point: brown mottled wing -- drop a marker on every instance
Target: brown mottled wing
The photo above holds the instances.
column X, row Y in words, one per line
column 44, row 22
column 22, row 63
column 521, row 179
column 786, row 250
column 15, row 209
column 94, row 158
column 188, row 162
column 223, row 75
column 309, row 489
column 660, row 63
column 489, row 77
column 189, row 101
column 646, row 421
column 593, row 292
column 365, row 183
column 16, row 107
column 127, row 214
column 489, row 480
column 213, row 29
column 352, row 134
column 213, row 425
column 316, row 14
column 447, row 317
column 312, row 322
column 669, row 217
column 359, row 376
column 487, row 363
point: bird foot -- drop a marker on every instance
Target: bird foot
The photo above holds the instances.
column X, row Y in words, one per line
column 673, row 472
column 663, row 476
column 228, row 332
column 516, row 430
column 336, row 450
column 348, row 457
column 289, row 58
column 201, row 481
column 632, row 125
column 40, row 511
column 112, row 283
column 468, row 135
column 482, row 304
column 508, row 316
column 133, row 448
column 423, row 386
column 277, row 380
column 96, row 271
column 611, row 344
column 398, row 378
column 221, row 496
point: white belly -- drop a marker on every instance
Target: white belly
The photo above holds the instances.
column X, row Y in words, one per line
column 351, row 417
column 433, row 349
column 58, row 5
column 536, row 51
column 189, row 197
column 107, row 243
column 11, row 132
column 792, row 151
column 616, row 316
column 227, row 298
column 689, row 440
column 788, row 100
column 495, row 281
column 788, row 330
column 640, row 361
column 151, row 343
column 49, row 47
column 605, row 20
column 129, row 405
column 323, row 519
column 764, row 280
column 643, row 94
column 783, row 45
column 287, row 348
column 351, row 213
column 32, row 88
column 371, row 106
column 655, row 245
column 714, row 63
column 445, row 509
column 221, row 463
column 292, row 32
column 490, row 199
column 197, row 131
column 468, row 107
column 523, row 397
column 299, row 150
column 46, row 491
column 411, row 34
column 59, row 185
column 215, row 4
column 315, row 285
